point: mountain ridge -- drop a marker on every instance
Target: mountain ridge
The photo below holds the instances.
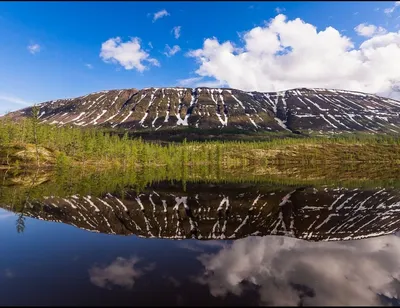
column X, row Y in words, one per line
column 296, row 110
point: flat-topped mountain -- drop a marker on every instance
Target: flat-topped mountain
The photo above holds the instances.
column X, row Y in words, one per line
column 297, row 110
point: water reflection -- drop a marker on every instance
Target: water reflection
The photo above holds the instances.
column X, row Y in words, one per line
column 288, row 271
column 233, row 244
column 8, row 273
column 206, row 211
column 71, row 266
column 121, row 272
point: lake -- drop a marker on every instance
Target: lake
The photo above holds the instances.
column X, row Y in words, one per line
column 105, row 240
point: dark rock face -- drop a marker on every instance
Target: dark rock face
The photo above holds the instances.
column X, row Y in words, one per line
column 209, row 213
column 297, row 110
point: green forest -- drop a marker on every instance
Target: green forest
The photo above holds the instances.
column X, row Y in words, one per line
column 27, row 143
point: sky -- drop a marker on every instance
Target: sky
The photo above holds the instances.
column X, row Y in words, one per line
column 53, row 50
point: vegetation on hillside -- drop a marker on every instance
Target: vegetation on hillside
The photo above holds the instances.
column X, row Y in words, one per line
column 27, row 144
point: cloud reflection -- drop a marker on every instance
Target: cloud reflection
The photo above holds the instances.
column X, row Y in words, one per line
column 6, row 214
column 290, row 271
column 9, row 273
column 201, row 246
column 121, row 272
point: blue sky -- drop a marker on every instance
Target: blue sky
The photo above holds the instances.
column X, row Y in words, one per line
column 51, row 50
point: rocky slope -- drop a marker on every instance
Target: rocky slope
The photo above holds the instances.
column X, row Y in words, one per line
column 206, row 212
column 297, row 110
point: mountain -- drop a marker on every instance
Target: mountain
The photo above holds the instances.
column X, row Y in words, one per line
column 297, row 110
column 205, row 212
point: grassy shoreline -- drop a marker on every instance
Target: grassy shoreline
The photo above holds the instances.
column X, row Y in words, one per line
column 24, row 145
column 229, row 155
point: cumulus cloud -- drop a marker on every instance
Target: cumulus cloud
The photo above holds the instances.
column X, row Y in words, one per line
column 289, row 271
column 160, row 14
column 177, row 31
column 367, row 30
column 122, row 272
column 128, row 54
column 388, row 11
column 34, row 48
column 286, row 54
column 279, row 10
column 169, row 52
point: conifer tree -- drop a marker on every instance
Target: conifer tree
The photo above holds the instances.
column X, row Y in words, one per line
column 35, row 122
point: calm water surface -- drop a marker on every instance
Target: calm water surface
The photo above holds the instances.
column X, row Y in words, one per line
column 200, row 244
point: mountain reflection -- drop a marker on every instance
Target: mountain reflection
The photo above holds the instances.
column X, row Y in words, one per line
column 288, row 271
column 232, row 211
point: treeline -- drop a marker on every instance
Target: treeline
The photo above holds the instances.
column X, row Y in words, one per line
column 34, row 186
column 94, row 147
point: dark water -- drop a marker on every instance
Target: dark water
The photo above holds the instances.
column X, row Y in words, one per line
column 200, row 244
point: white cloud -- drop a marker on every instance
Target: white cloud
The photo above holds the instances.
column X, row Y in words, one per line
column 177, row 31
column 388, row 11
column 121, row 272
column 279, row 10
column 189, row 82
column 169, row 52
column 367, row 30
column 10, row 103
column 14, row 100
column 289, row 271
column 89, row 66
column 160, row 14
column 150, row 45
column 285, row 54
column 34, row 48
column 196, row 82
column 128, row 54
column 212, row 84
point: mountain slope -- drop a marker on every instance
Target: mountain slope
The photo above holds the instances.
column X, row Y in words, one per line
column 297, row 110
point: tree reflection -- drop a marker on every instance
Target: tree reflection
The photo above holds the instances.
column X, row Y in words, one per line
column 20, row 223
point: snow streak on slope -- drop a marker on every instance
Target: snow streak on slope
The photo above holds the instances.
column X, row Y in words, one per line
column 297, row 110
